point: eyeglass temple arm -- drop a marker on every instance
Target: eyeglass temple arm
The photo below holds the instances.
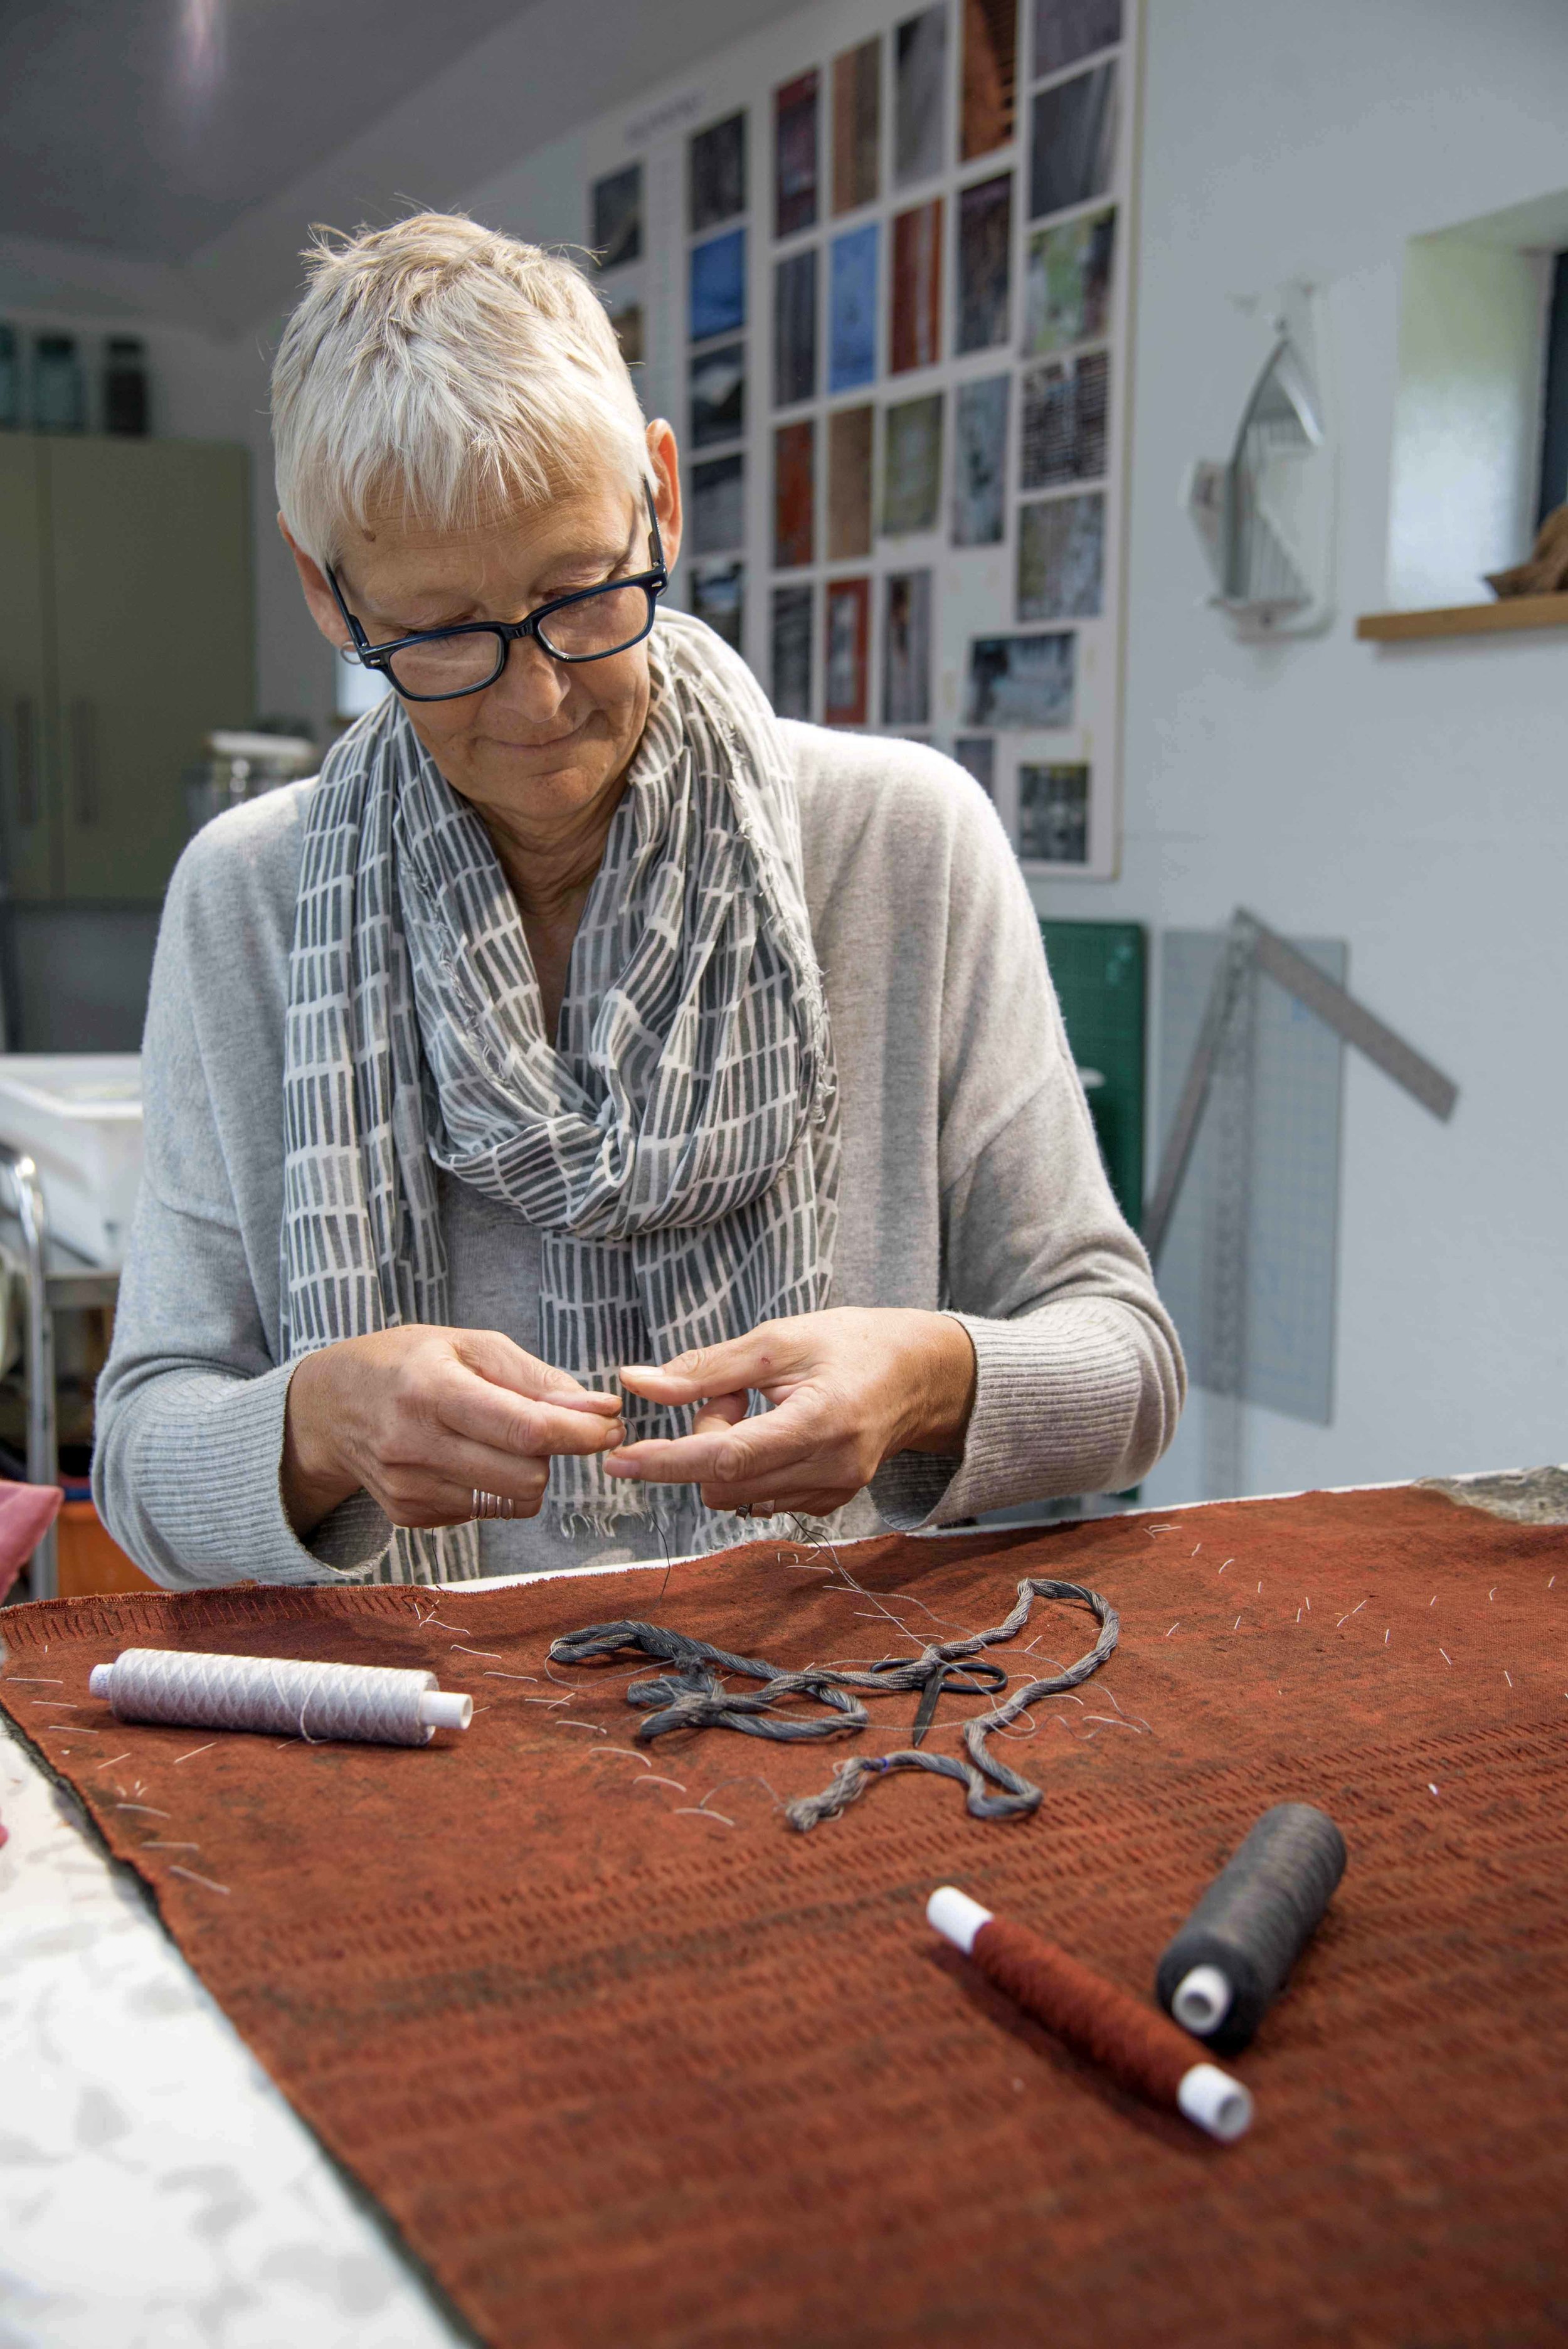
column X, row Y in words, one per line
column 361, row 642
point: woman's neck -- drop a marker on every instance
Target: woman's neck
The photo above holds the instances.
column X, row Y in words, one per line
column 550, row 871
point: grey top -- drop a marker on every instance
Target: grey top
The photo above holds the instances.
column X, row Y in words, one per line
column 971, row 1184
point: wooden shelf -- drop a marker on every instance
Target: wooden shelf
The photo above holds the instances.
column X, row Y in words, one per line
column 1508, row 613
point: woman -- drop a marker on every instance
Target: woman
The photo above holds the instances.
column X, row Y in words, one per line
column 586, row 1059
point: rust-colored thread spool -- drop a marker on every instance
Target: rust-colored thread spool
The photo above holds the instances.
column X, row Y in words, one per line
column 1130, row 2041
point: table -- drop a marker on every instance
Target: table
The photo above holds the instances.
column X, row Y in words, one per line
column 619, row 2075
column 58, row 1279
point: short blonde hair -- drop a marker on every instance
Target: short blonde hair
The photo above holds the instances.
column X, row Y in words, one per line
column 445, row 368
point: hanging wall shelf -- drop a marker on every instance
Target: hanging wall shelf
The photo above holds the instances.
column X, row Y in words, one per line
column 1508, row 614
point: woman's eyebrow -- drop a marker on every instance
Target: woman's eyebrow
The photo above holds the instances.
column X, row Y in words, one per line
column 584, row 559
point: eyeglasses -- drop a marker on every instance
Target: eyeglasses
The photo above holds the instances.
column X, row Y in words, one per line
column 443, row 664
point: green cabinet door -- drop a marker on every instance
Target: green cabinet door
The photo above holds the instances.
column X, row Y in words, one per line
column 151, row 557
column 26, row 743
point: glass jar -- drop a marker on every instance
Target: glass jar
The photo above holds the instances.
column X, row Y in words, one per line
column 10, row 380
column 124, row 385
column 59, row 394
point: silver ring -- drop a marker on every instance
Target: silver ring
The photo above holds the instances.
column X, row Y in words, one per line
column 491, row 1504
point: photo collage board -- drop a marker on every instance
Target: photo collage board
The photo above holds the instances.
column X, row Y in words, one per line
column 891, row 290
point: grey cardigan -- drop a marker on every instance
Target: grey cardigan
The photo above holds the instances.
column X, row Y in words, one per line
column 971, row 1183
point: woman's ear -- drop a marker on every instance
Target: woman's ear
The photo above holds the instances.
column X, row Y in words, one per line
column 318, row 595
column 667, row 463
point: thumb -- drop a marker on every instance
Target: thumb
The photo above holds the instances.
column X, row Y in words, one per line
column 754, row 1360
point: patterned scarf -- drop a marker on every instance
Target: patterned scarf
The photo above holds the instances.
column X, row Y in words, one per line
column 677, row 1149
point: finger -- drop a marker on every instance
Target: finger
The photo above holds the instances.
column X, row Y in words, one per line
column 746, row 1455
column 495, row 1357
column 479, row 1411
column 427, row 1496
column 717, row 1412
column 753, row 1360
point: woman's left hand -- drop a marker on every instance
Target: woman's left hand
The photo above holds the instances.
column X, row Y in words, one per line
column 850, row 1389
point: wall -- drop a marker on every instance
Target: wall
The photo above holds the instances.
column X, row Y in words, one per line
column 1409, row 800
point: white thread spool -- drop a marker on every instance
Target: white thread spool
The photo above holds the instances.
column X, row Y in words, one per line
column 373, row 1705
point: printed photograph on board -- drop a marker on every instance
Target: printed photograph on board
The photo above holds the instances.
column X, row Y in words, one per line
column 718, row 285
column 794, row 328
column 794, row 494
column 1066, row 412
column 906, row 649
column 852, row 309
column 1067, row 30
column 1066, row 283
column 914, row 326
column 1052, row 815
column 718, row 596
column 912, row 465
column 920, row 95
column 795, row 163
column 716, row 173
column 790, row 652
column 976, row 754
column 980, row 462
column 990, row 76
column 718, row 505
column 1072, row 142
column 1061, row 558
column 857, row 127
column 985, row 264
column 1018, row 683
column 850, row 437
column 847, row 606
column 616, row 228
column 718, row 395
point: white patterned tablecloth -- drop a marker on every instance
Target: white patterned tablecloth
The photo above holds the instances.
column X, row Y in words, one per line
column 156, row 2192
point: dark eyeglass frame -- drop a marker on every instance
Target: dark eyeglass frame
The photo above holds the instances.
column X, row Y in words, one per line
column 652, row 581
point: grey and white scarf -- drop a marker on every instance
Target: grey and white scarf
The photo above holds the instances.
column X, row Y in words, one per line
column 677, row 1146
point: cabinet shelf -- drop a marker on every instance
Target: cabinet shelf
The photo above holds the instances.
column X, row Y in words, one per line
column 1509, row 614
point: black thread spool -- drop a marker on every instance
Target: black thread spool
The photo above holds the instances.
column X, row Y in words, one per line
column 1229, row 1960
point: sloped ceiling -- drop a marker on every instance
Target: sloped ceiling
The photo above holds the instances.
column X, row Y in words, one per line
column 169, row 155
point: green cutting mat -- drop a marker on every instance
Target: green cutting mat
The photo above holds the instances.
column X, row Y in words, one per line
column 1098, row 968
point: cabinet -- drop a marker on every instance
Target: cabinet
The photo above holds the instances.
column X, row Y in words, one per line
column 125, row 635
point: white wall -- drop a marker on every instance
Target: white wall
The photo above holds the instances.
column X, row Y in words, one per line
column 1411, row 801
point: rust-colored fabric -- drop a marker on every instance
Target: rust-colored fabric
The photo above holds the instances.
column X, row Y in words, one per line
column 619, row 2072
column 1128, row 2037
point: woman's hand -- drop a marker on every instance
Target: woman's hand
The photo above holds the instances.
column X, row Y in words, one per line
column 422, row 1418
column 850, row 1388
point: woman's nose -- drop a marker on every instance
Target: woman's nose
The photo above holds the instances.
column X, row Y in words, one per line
column 531, row 686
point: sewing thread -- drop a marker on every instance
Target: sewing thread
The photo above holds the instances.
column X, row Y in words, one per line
column 693, row 1696
column 1127, row 2039
column 369, row 1704
column 1224, row 1968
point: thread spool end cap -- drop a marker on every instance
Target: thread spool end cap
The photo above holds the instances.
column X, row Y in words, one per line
column 100, row 1682
column 1216, row 2102
column 955, row 1916
column 1203, row 2000
column 444, row 1709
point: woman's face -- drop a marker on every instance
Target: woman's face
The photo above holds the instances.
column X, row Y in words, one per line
column 547, row 741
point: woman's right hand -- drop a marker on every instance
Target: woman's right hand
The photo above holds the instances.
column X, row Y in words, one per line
column 421, row 1418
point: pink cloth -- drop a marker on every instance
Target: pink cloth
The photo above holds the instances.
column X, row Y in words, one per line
column 26, row 1512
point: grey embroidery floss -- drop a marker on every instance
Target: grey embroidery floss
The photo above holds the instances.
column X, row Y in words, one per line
column 1231, row 1958
column 368, row 1703
column 694, row 1696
